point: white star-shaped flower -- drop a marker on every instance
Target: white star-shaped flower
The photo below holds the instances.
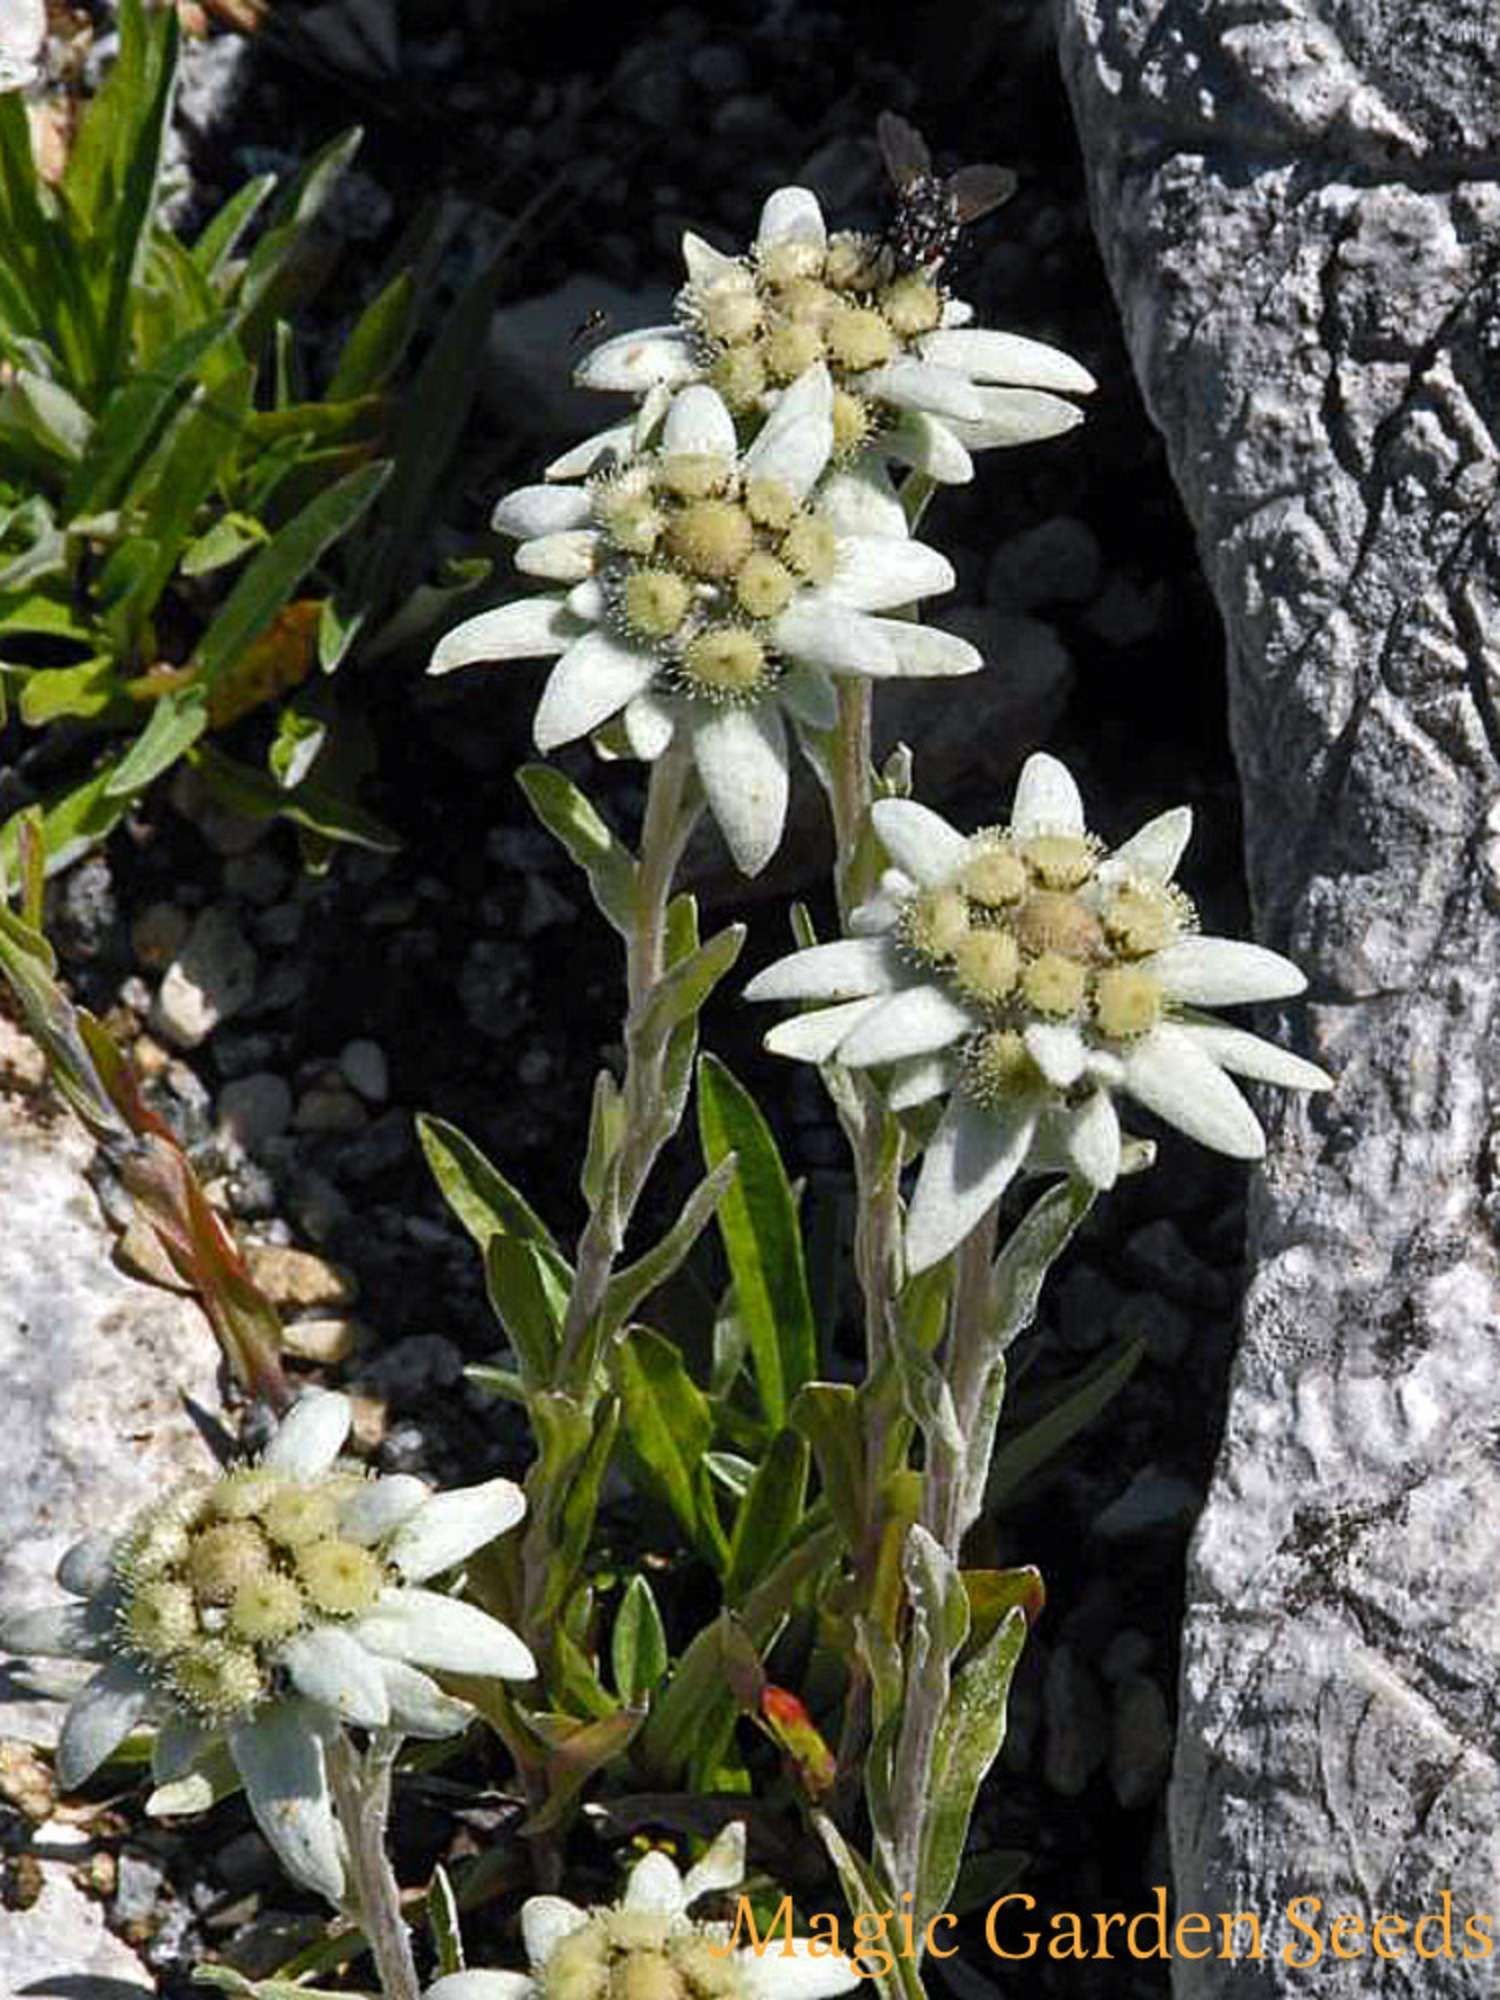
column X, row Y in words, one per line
column 648, row 1945
column 713, row 592
column 913, row 379
column 1032, row 978
column 262, row 1610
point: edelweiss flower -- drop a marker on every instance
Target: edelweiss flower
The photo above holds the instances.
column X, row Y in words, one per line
column 1034, row 977
column 646, row 1947
column 265, row 1608
column 714, row 591
column 912, row 379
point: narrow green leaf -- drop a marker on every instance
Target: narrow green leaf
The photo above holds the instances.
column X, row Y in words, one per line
column 969, row 1741
column 74, row 821
column 1073, row 1408
column 768, row 1514
column 606, row 1132
column 827, row 1415
column 177, row 721
column 134, row 418
column 762, row 1240
column 289, row 262
column 483, row 1200
column 443, row 1925
column 1028, row 1254
column 587, row 1749
column 275, row 573
column 43, row 412
column 580, row 1507
column 377, row 341
column 682, row 993
column 668, row 1426
column 133, row 210
column 630, row 1287
column 316, row 810
column 529, row 1294
column 89, row 691
column 221, row 234
column 230, row 537
column 638, row 1645
column 572, row 821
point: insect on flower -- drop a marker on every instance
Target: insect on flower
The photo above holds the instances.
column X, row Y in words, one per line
column 931, row 212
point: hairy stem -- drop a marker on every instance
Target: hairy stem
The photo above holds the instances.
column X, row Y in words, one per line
column 361, row 1788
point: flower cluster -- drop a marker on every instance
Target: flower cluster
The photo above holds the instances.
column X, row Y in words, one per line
column 913, row 380
column 712, row 590
column 267, row 1607
column 646, row 1947
column 1030, row 976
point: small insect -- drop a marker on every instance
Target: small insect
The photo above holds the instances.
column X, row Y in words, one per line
column 594, row 321
column 931, row 212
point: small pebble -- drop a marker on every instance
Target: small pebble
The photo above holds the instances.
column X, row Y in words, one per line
column 158, row 934
column 255, row 1108
column 297, row 1278
column 366, row 1070
column 210, row 980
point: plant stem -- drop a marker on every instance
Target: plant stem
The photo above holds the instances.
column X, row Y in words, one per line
column 361, row 1787
column 967, row 1364
column 647, row 1117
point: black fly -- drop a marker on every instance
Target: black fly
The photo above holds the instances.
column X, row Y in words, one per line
column 932, row 212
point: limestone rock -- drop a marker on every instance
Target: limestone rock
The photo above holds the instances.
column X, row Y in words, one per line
column 1298, row 208
column 97, row 1370
column 60, row 1947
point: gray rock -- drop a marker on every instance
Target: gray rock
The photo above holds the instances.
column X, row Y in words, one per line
column 1126, row 1654
column 1057, row 562
column 1160, row 1255
column 1298, row 209
column 1153, row 1500
column 60, row 1946
column 1077, row 1727
column 97, row 1370
column 420, row 1362
column 210, row 980
column 140, row 1881
column 255, row 1108
column 1140, row 1741
column 260, row 876
column 1165, row 1328
column 1085, row 1303
column 365, row 1068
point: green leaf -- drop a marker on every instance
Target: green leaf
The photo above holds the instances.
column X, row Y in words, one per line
column 681, row 995
column 969, row 1741
column 827, row 1415
column 229, row 1981
column 133, row 208
column 289, row 262
column 668, row 1426
column 528, row 1290
column 628, row 1288
column 867, row 1896
column 32, row 611
column 580, row 1506
column 275, row 573
column 177, row 721
column 762, row 1240
column 220, row 235
column 134, row 418
column 588, row 1749
column 1033, row 1247
column 296, row 745
column 442, row 1923
column 74, row 821
column 377, row 341
column 180, row 475
column 225, row 542
column 606, row 1132
column 638, row 1645
column 434, row 411
column 1072, row 1409
column 572, row 821
column 315, row 808
column 43, row 413
column 768, row 1514
column 88, row 691
column 483, row 1200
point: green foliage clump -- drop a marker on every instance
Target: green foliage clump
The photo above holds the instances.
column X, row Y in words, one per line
column 187, row 535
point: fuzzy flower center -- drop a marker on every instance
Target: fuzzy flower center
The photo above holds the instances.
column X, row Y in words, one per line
column 697, row 561
column 1026, row 932
column 212, row 1580
column 638, row 1955
column 768, row 319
